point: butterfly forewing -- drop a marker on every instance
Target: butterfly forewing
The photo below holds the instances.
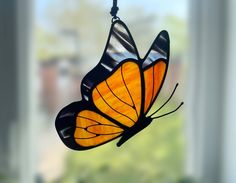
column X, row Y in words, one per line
column 119, row 96
column 120, row 46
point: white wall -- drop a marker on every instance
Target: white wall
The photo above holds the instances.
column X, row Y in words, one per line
column 229, row 143
column 206, row 98
column 27, row 98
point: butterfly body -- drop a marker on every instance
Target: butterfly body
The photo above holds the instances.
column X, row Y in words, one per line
column 139, row 126
column 117, row 94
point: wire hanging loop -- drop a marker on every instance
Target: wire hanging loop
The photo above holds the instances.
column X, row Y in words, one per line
column 114, row 10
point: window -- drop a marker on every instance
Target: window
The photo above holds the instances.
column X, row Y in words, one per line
column 70, row 39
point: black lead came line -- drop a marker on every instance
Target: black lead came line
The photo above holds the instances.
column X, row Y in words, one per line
column 98, row 123
column 89, row 119
column 94, row 133
column 112, row 107
column 153, row 87
column 116, row 95
column 129, row 92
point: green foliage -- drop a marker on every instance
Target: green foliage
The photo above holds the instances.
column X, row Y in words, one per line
column 49, row 45
column 5, row 179
column 187, row 180
column 178, row 31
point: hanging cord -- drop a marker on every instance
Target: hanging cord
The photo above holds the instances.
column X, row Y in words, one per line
column 114, row 10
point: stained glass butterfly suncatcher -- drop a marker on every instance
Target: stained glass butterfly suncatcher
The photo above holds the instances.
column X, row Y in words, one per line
column 117, row 94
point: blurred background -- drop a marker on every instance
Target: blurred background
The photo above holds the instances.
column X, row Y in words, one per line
column 47, row 47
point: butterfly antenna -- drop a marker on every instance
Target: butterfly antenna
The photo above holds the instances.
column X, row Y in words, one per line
column 166, row 101
column 182, row 103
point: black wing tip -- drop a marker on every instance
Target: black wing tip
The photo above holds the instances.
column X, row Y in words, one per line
column 65, row 124
column 164, row 34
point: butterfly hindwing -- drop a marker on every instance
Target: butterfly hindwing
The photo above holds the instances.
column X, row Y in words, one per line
column 92, row 129
column 81, row 128
column 155, row 67
column 153, row 77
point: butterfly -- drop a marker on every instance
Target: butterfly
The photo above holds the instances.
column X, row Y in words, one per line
column 117, row 94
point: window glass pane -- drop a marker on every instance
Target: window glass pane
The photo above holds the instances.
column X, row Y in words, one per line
column 70, row 37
